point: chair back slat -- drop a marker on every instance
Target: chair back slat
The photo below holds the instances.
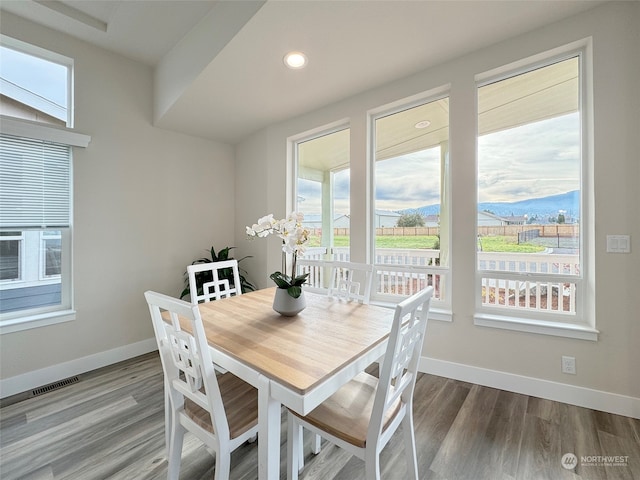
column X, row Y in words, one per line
column 211, row 281
column 318, row 274
column 217, row 290
column 185, row 357
column 400, row 365
column 351, row 281
column 183, row 354
column 347, row 289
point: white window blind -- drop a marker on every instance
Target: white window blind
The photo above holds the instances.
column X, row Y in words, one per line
column 35, row 181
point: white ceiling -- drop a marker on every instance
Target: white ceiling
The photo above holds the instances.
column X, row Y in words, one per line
column 243, row 86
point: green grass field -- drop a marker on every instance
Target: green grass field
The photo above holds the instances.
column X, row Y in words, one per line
column 507, row 244
column 489, row 244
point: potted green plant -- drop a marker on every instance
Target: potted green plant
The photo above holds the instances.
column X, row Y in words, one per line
column 227, row 273
column 294, row 239
column 289, row 298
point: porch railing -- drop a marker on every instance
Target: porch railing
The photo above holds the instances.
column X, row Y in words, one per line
column 400, row 272
column 529, row 281
column 511, row 281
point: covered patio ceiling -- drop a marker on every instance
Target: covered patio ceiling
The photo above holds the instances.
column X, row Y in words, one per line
column 537, row 95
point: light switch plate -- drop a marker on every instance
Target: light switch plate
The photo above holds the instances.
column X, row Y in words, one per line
column 618, row 244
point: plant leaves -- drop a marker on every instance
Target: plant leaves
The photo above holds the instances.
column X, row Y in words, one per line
column 295, row 291
column 224, row 254
column 280, row 279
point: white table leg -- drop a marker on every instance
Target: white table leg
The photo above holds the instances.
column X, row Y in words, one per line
column 268, row 432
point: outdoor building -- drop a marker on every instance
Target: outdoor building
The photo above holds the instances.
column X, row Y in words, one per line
column 16, row 101
column 312, row 220
column 386, row 219
column 490, row 219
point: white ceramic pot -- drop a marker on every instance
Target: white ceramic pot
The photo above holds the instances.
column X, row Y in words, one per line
column 286, row 305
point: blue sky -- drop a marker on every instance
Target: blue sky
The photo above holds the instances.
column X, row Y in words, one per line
column 47, row 79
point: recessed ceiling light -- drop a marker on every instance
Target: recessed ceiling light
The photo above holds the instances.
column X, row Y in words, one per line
column 422, row 124
column 295, row 60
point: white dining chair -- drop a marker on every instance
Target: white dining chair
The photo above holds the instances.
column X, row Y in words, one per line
column 351, row 281
column 362, row 416
column 220, row 410
column 319, row 273
column 210, row 281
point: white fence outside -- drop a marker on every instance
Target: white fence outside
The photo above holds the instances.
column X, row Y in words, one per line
column 510, row 281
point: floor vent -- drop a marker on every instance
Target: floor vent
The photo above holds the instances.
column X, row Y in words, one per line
column 54, row 386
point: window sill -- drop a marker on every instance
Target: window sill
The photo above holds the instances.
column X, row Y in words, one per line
column 435, row 313
column 42, row 131
column 542, row 327
column 36, row 321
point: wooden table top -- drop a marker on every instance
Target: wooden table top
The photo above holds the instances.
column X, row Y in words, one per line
column 301, row 351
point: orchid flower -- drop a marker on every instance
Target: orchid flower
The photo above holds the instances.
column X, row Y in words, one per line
column 294, row 239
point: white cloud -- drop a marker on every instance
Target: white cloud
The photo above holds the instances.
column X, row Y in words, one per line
column 408, row 181
column 530, row 161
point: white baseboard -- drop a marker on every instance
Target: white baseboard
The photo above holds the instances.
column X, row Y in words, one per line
column 560, row 392
column 37, row 378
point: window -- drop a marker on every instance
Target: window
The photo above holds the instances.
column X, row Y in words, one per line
column 35, row 218
column 411, row 213
column 35, row 186
column 322, row 193
column 51, row 254
column 531, row 216
column 11, row 255
column 32, row 86
column 323, row 176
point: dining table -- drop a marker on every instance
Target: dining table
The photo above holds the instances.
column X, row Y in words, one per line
column 296, row 361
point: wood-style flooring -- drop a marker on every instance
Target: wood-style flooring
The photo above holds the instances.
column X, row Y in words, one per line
column 110, row 425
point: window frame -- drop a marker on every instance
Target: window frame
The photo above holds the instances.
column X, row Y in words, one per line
column 49, row 56
column 441, row 308
column 20, row 240
column 17, row 320
column 42, row 264
column 11, row 322
column 293, row 144
column 582, row 324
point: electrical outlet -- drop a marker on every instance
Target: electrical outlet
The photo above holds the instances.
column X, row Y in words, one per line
column 569, row 365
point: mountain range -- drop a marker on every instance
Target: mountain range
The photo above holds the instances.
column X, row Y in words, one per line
column 541, row 208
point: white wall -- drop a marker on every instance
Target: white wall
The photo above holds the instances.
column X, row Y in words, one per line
column 608, row 365
column 147, row 202
column 252, row 201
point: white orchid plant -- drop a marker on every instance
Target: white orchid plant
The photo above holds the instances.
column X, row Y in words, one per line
column 294, row 239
